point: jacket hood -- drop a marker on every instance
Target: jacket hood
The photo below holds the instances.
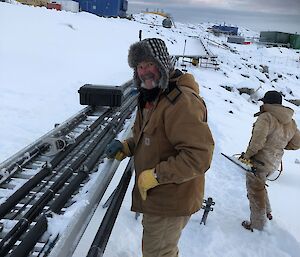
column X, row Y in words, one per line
column 187, row 80
column 282, row 113
column 155, row 50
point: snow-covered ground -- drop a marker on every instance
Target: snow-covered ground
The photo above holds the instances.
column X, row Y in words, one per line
column 45, row 56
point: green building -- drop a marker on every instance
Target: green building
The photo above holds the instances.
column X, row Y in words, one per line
column 280, row 38
column 295, row 41
column 274, row 37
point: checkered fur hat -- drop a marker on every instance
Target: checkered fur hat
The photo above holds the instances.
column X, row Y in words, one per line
column 151, row 49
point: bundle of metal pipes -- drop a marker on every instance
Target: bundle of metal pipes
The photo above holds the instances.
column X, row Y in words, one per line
column 47, row 183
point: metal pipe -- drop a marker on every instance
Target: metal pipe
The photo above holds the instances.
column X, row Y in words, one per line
column 24, row 190
column 49, row 194
column 26, row 245
column 100, row 241
column 16, row 156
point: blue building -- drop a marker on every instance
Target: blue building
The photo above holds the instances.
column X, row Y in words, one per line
column 225, row 29
column 108, row 8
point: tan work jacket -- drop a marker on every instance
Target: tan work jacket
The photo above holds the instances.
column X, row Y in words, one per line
column 273, row 131
column 174, row 138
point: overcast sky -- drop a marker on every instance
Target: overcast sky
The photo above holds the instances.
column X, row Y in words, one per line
column 281, row 15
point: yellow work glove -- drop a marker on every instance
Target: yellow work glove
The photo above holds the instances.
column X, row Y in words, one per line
column 120, row 156
column 245, row 160
column 146, row 181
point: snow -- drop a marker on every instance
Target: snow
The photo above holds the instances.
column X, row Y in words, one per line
column 45, row 56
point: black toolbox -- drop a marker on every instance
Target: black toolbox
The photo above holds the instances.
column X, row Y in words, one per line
column 96, row 95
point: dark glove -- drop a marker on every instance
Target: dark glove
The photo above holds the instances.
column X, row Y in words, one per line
column 114, row 150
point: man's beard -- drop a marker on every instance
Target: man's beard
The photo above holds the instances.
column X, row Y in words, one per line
column 149, row 95
column 149, row 76
column 154, row 85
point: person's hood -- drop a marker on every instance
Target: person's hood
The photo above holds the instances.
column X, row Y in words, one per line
column 282, row 113
column 187, row 80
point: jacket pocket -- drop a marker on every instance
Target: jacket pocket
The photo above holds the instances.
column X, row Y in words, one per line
column 150, row 144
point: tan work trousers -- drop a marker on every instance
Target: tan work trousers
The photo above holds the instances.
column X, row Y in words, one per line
column 258, row 198
column 161, row 235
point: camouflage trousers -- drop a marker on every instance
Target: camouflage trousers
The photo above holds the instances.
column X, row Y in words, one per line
column 258, row 198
